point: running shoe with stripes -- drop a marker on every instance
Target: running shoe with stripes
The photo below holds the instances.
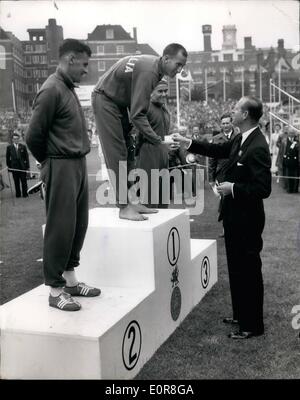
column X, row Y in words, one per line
column 64, row 302
column 81, row 289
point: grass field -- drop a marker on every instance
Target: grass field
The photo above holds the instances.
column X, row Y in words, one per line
column 199, row 348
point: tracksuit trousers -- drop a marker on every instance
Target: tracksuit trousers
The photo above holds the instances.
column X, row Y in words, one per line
column 113, row 128
column 67, row 216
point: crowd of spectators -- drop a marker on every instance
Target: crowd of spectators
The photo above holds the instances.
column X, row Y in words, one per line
column 198, row 119
column 205, row 116
column 11, row 121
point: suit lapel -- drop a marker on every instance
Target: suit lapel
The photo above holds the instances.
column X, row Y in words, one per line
column 15, row 151
column 234, row 151
column 239, row 152
column 249, row 139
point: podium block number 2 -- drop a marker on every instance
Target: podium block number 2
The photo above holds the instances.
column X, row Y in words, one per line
column 132, row 343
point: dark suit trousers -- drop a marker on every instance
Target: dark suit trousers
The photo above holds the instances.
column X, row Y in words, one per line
column 292, row 184
column 243, row 246
column 67, row 216
column 20, row 179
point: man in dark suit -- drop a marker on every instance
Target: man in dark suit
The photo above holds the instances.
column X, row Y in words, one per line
column 17, row 159
column 217, row 166
column 247, row 182
column 289, row 153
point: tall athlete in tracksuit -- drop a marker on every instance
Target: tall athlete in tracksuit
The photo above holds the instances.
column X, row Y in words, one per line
column 123, row 93
column 57, row 137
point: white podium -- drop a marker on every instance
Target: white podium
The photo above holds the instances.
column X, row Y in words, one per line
column 151, row 275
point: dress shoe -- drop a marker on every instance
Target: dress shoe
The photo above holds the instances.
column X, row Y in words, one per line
column 35, row 188
column 243, row 335
column 230, row 321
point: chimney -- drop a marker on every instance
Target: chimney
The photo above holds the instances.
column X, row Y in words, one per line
column 134, row 34
column 280, row 48
column 52, row 22
column 248, row 43
column 280, row 44
column 206, row 30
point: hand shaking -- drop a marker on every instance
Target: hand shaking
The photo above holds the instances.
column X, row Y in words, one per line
column 178, row 138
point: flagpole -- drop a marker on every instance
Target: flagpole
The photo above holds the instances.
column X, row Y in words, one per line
column 206, row 94
column 224, row 85
column 271, row 109
column 279, row 81
column 243, row 83
column 260, row 84
column 13, row 96
column 177, row 100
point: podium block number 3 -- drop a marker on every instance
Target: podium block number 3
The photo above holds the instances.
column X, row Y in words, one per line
column 132, row 343
column 205, row 272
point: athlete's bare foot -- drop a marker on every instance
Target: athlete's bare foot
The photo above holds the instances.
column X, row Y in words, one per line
column 130, row 213
column 140, row 208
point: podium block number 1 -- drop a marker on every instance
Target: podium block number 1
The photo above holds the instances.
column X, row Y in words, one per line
column 173, row 246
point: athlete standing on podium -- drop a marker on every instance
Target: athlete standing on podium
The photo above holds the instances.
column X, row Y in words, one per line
column 124, row 92
column 58, row 139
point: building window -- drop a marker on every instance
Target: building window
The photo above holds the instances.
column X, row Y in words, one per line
column 27, row 59
column 28, row 73
column 101, row 65
column 34, row 38
column 2, row 57
column 40, row 48
column 35, row 59
column 228, row 57
column 36, row 73
column 28, row 47
column 29, row 88
column 240, row 57
column 211, row 70
column 43, row 59
column 215, row 59
column 109, row 33
column 44, row 73
column 120, row 49
column 100, row 49
column 41, row 38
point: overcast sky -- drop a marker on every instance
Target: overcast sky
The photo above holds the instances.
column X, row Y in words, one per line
column 160, row 22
